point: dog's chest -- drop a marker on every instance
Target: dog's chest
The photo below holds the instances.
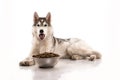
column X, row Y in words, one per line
column 45, row 47
column 49, row 47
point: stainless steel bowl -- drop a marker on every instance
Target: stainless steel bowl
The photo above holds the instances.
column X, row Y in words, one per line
column 46, row 62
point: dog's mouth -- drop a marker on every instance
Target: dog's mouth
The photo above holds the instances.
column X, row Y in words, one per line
column 41, row 36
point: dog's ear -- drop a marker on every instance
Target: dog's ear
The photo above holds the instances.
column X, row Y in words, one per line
column 36, row 17
column 48, row 17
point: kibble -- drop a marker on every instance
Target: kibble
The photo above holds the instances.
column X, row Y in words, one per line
column 46, row 55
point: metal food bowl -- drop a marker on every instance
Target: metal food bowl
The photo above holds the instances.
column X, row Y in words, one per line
column 46, row 62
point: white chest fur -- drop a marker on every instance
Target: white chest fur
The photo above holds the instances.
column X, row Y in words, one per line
column 45, row 46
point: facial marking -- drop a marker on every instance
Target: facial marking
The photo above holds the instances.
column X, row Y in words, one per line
column 42, row 20
column 39, row 23
column 45, row 24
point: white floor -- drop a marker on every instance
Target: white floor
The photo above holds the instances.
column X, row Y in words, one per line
column 107, row 68
column 95, row 21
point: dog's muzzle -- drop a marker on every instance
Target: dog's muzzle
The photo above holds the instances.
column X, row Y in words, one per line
column 42, row 35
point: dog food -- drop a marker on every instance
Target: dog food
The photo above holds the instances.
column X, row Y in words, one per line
column 46, row 55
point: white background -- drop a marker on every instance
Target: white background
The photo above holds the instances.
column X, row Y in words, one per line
column 95, row 21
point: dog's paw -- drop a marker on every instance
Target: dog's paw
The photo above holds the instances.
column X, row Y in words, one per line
column 98, row 55
column 26, row 63
column 91, row 57
column 76, row 57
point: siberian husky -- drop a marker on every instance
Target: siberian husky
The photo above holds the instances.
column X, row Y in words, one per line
column 44, row 41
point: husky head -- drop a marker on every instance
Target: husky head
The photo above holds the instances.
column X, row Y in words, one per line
column 42, row 27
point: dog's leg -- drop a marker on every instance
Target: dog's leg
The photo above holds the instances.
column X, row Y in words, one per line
column 76, row 57
column 73, row 57
column 29, row 60
column 66, row 57
column 93, row 55
column 79, row 51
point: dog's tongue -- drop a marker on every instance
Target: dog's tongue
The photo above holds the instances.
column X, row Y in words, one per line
column 42, row 36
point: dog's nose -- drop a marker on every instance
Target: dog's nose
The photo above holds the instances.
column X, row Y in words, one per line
column 41, row 31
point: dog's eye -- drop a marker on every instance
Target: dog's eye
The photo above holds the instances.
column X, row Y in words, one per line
column 45, row 25
column 38, row 25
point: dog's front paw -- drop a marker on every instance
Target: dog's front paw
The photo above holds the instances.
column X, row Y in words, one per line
column 26, row 63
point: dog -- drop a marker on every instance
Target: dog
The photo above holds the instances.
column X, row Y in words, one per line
column 44, row 41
